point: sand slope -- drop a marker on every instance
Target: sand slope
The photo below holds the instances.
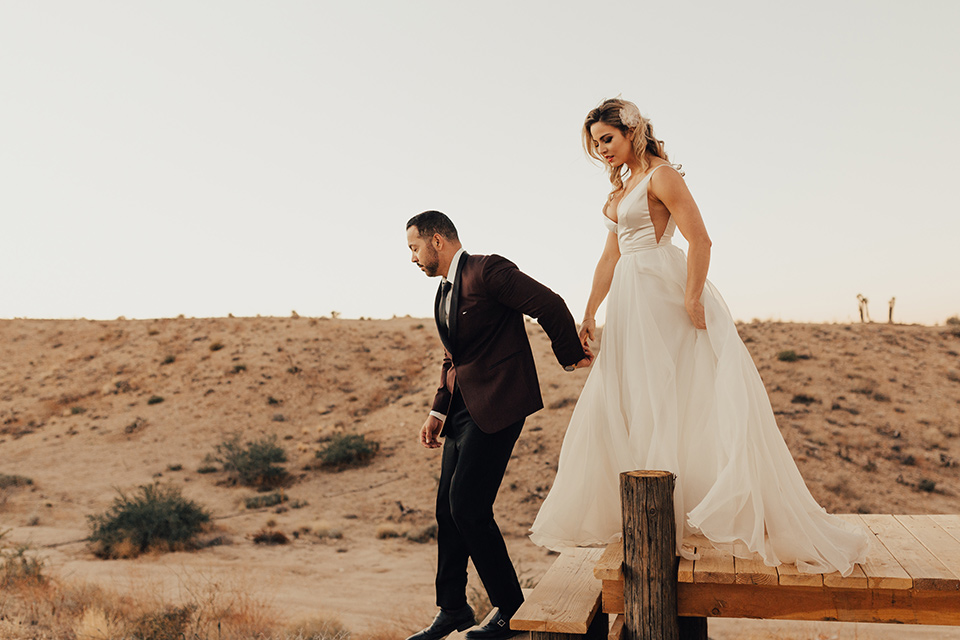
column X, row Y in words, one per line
column 869, row 411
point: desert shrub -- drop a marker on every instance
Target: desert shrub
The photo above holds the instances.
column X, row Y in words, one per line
column 268, row 500
column 319, row 629
column 927, row 485
column 169, row 623
column 7, row 481
column 347, row 450
column 169, row 360
column 788, row 356
column 207, row 468
column 156, row 517
column 802, row 398
column 135, row 426
column 423, row 534
column 254, row 464
column 385, row 531
column 216, row 346
column 155, row 400
column 95, row 624
column 18, row 568
column 324, row 530
column 270, row 536
column 954, row 321
column 237, row 368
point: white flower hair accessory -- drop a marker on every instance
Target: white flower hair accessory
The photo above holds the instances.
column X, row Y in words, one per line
column 630, row 115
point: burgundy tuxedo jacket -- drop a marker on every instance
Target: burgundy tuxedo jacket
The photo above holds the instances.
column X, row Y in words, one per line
column 486, row 350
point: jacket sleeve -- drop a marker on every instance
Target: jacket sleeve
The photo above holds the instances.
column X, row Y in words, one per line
column 515, row 289
column 441, row 401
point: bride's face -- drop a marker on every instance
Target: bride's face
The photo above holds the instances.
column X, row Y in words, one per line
column 611, row 144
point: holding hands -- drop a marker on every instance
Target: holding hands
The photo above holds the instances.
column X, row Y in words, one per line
column 587, row 332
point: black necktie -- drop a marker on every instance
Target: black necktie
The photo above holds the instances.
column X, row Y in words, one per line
column 444, row 292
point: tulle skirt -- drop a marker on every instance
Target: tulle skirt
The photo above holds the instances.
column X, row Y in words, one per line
column 663, row 395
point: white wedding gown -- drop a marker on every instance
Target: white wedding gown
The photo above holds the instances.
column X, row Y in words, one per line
column 663, row 395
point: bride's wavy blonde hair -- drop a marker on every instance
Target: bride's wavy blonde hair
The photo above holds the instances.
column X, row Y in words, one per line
column 645, row 143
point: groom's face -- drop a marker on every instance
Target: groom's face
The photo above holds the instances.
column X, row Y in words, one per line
column 423, row 253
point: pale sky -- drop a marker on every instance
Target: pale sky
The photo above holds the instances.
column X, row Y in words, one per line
column 194, row 157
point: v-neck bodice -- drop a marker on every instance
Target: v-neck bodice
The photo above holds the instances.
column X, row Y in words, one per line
column 634, row 228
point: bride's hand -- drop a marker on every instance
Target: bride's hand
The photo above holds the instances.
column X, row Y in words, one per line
column 588, row 331
column 696, row 313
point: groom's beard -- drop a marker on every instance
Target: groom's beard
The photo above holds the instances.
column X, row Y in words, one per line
column 431, row 266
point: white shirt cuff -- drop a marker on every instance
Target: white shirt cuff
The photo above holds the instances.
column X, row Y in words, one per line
column 439, row 416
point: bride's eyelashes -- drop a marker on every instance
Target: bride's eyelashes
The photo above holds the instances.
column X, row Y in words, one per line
column 607, row 139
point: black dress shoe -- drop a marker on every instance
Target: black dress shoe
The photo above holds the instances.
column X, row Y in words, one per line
column 446, row 623
column 497, row 629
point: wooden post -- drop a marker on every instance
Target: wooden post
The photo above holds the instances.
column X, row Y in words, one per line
column 649, row 556
column 650, row 560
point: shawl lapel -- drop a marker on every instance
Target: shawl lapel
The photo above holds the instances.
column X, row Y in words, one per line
column 449, row 338
column 455, row 300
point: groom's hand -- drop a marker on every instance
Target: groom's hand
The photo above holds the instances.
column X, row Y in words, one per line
column 430, row 432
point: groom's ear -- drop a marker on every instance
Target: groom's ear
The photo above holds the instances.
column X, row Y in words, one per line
column 437, row 241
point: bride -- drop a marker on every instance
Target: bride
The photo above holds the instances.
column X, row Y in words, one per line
column 673, row 387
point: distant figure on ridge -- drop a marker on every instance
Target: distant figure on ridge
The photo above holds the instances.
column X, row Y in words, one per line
column 893, row 301
column 488, row 386
column 673, row 388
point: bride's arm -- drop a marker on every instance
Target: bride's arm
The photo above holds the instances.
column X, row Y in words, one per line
column 602, row 277
column 670, row 188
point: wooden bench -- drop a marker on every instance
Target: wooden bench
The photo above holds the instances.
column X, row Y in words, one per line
column 911, row 576
column 566, row 603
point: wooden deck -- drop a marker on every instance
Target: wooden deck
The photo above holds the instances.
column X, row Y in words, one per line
column 911, row 575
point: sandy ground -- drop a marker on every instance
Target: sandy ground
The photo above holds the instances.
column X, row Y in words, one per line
column 869, row 411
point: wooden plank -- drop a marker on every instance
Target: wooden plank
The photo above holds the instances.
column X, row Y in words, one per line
column 856, row 580
column 949, row 523
column 881, row 568
column 612, row 595
column 610, row 565
column 616, row 629
column 714, row 566
column 789, row 576
column 567, row 598
column 927, row 572
column 823, row 603
column 754, row 571
column 938, row 541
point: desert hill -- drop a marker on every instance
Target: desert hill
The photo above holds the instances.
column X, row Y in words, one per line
column 871, row 413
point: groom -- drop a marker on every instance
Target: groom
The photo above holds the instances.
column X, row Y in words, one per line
column 488, row 386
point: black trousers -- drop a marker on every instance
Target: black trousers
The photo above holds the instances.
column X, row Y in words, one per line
column 470, row 476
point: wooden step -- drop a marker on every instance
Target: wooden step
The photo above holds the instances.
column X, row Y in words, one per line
column 567, row 599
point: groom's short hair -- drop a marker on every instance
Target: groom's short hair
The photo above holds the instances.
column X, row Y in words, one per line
column 431, row 222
